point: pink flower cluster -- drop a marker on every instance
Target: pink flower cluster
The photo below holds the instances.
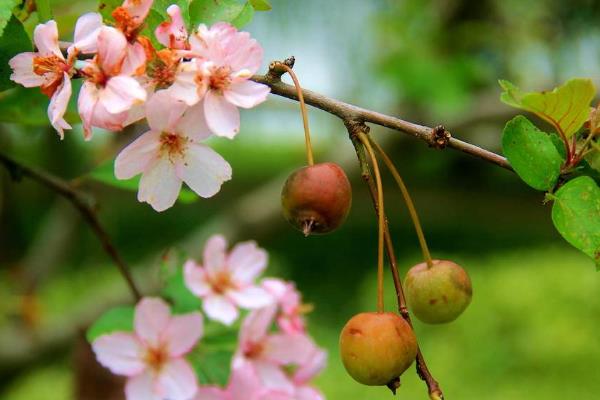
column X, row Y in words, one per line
column 276, row 359
column 188, row 91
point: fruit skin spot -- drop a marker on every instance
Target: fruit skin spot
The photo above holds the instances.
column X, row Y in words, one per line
column 355, row 332
column 432, row 301
column 445, row 299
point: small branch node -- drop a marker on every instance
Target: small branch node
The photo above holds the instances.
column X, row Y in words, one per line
column 440, row 137
column 276, row 68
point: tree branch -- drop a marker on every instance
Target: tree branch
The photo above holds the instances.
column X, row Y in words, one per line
column 354, row 127
column 437, row 137
column 79, row 201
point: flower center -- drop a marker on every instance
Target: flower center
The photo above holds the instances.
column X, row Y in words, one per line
column 253, row 350
column 220, row 78
column 156, row 358
column 173, row 144
column 221, row 281
column 162, row 69
column 126, row 23
column 52, row 68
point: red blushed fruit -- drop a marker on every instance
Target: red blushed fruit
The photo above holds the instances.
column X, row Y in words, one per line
column 376, row 348
column 317, row 198
column 438, row 294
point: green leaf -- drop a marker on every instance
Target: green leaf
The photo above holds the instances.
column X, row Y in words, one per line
column 105, row 173
column 106, row 7
column 6, row 7
column 212, row 367
column 576, row 215
column 114, row 320
column 566, row 107
column 210, row 11
column 175, row 290
column 261, row 5
column 593, row 158
column 244, row 17
column 531, row 153
column 44, row 10
column 14, row 41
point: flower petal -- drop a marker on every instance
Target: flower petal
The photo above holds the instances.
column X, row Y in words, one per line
column 247, row 261
column 213, row 257
column 311, row 368
column 257, row 323
column 152, row 316
column 221, row 309
column 86, row 33
column 141, row 387
column 286, row 349
column 211, row 393
column 112, row 49
column 244, row 383
column 135, row 60
column 251, row 297
column 163, row 112
column 138, row 155
column 309, row 393
column 137, row 9
column 222, row 117
column 121, row 93
column 159, row 185
column 246, row 94
column 195, row 279
column 193, row 124
column 45, row 37
column 120, row 352
column 172, row 33
column 182, row 333
column 186, row 87
column 177, row 380
column 22, row 66
column 203, row 170
column 58, row 106
column 273, row 376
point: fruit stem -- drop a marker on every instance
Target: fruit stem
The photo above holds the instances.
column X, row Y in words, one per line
column 309, row 152
column 381, row 222
column 409, row 203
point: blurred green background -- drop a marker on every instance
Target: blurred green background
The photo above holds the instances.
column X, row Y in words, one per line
column 531, row 330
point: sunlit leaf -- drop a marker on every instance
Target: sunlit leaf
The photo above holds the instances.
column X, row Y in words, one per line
column 105, row 173
column 212, row 366
column 566, row 107
column 210, row 11
column 114, row 320
column 244, row 17
column 6, row 7
column 14, row 41
column 106, row 7
column 576, row 215
column 260, row 5
column 531, row 153
column 593, row 158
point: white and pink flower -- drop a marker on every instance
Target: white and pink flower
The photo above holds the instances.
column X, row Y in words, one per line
column 244, row 384
column 290, row 318
column 218, row 76
column 269, row 352
column 129, row 19
column 48, row 69
column 171, row 153
column 109, row 91
column 225, row 281
column 152, row 357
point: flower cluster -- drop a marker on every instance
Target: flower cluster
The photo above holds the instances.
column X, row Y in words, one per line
column 275, row 359
column 188, row 91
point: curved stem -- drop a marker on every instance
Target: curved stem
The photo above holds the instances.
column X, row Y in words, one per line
column 409, row 203
column 309, row 152
column 380, row 218
column 64, row 189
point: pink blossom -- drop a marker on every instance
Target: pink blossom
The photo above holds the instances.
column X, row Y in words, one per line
column 290, row 317
column 170, row 153
column 306, row 372
column 244, row 384
column 48, row 69
column 219, row 76
column 173, row 33
column 152, row 357
column 108, row 92
column 269, row 352
column 129, row 18
column 226, row 281
column 86, row 33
